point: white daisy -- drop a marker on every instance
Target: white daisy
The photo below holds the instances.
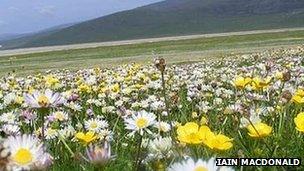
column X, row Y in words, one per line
column 105, row 134
column 162, row 126
column 43, row 100
column 50, row 133
column 9, row 117
column 95, row 125
column 160, row 148
column 9, row 98
column 67, row 132
column 60, row 116
column 74, row 106
column 140, row 121
column 200, row 165
column 11, row 129
column 26, row 151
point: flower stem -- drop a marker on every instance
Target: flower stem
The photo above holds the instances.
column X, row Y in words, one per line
column 65, row 144
column 43, row 112
column 138, row 161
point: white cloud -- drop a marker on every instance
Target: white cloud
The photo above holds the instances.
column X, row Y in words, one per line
column 13, row 9
column 47, row 10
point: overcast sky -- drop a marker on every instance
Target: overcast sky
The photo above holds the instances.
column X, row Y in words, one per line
column 22, row 16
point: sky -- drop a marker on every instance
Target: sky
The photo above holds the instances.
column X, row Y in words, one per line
column 24, row 16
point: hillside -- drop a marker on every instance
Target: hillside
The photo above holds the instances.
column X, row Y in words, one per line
column 175, row 17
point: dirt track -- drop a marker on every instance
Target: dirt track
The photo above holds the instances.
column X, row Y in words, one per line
column 137, row 41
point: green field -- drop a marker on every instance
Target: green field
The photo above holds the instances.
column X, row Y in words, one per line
column 179, row 51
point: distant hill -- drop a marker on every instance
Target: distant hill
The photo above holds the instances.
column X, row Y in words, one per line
column 9, row 41
column 175, row 17
column 9, row 36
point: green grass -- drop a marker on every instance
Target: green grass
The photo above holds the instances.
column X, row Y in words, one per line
column 174, row 51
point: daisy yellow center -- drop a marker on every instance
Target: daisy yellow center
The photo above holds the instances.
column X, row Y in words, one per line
column 93, row 125
column 200, row 168
column 141, row 122
column 23, row 156
column 59, row 116
column 43, row 101
column 162, row 128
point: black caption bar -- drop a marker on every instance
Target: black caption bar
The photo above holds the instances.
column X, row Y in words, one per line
column 258, row 162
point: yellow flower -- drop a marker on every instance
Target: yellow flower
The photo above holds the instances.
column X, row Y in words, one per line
column 279, row 75
column 194, row 115
column 115, row 88
column 218, row 142
column 241, row 82
column 138, row 86
column 19, row 100
column 85, row 88
column 86, row 138
column 191, row 133
column 204, row 121
column 299, row 92
column 155, row 76
column 298, row 97
column 299, row 121
column 51, row 81
column 259, row 130
column 260, row 84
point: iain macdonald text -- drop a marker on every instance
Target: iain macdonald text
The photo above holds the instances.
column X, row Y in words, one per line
column 258, row 161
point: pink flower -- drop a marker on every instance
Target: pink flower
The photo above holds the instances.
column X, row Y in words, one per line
column 99, row 155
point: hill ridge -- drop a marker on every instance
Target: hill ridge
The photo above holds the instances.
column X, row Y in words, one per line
column 174, row 18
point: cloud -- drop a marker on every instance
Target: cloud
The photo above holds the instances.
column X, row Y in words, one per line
column 47, row 10
column 13, row 9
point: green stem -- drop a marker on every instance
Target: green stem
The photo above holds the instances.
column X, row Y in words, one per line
column 65, row 144
column 138, row 161
column 43, row 112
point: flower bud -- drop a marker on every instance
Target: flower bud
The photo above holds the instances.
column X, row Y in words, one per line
column 160, row 64
column 286, row 96
column 286, row 76
column 99, row 155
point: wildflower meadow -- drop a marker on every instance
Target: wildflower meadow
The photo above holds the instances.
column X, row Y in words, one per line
column 156, row 116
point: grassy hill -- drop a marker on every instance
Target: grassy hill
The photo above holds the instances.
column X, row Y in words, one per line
column 175, row 17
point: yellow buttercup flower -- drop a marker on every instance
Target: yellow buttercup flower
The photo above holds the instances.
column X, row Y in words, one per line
column 298, row 97
column 86, row 138
column 191, row 133
column 241, row 82
column 259, row 130
column 259, row 83
column 218, row 142
column 299, row 121
column 299, row 92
